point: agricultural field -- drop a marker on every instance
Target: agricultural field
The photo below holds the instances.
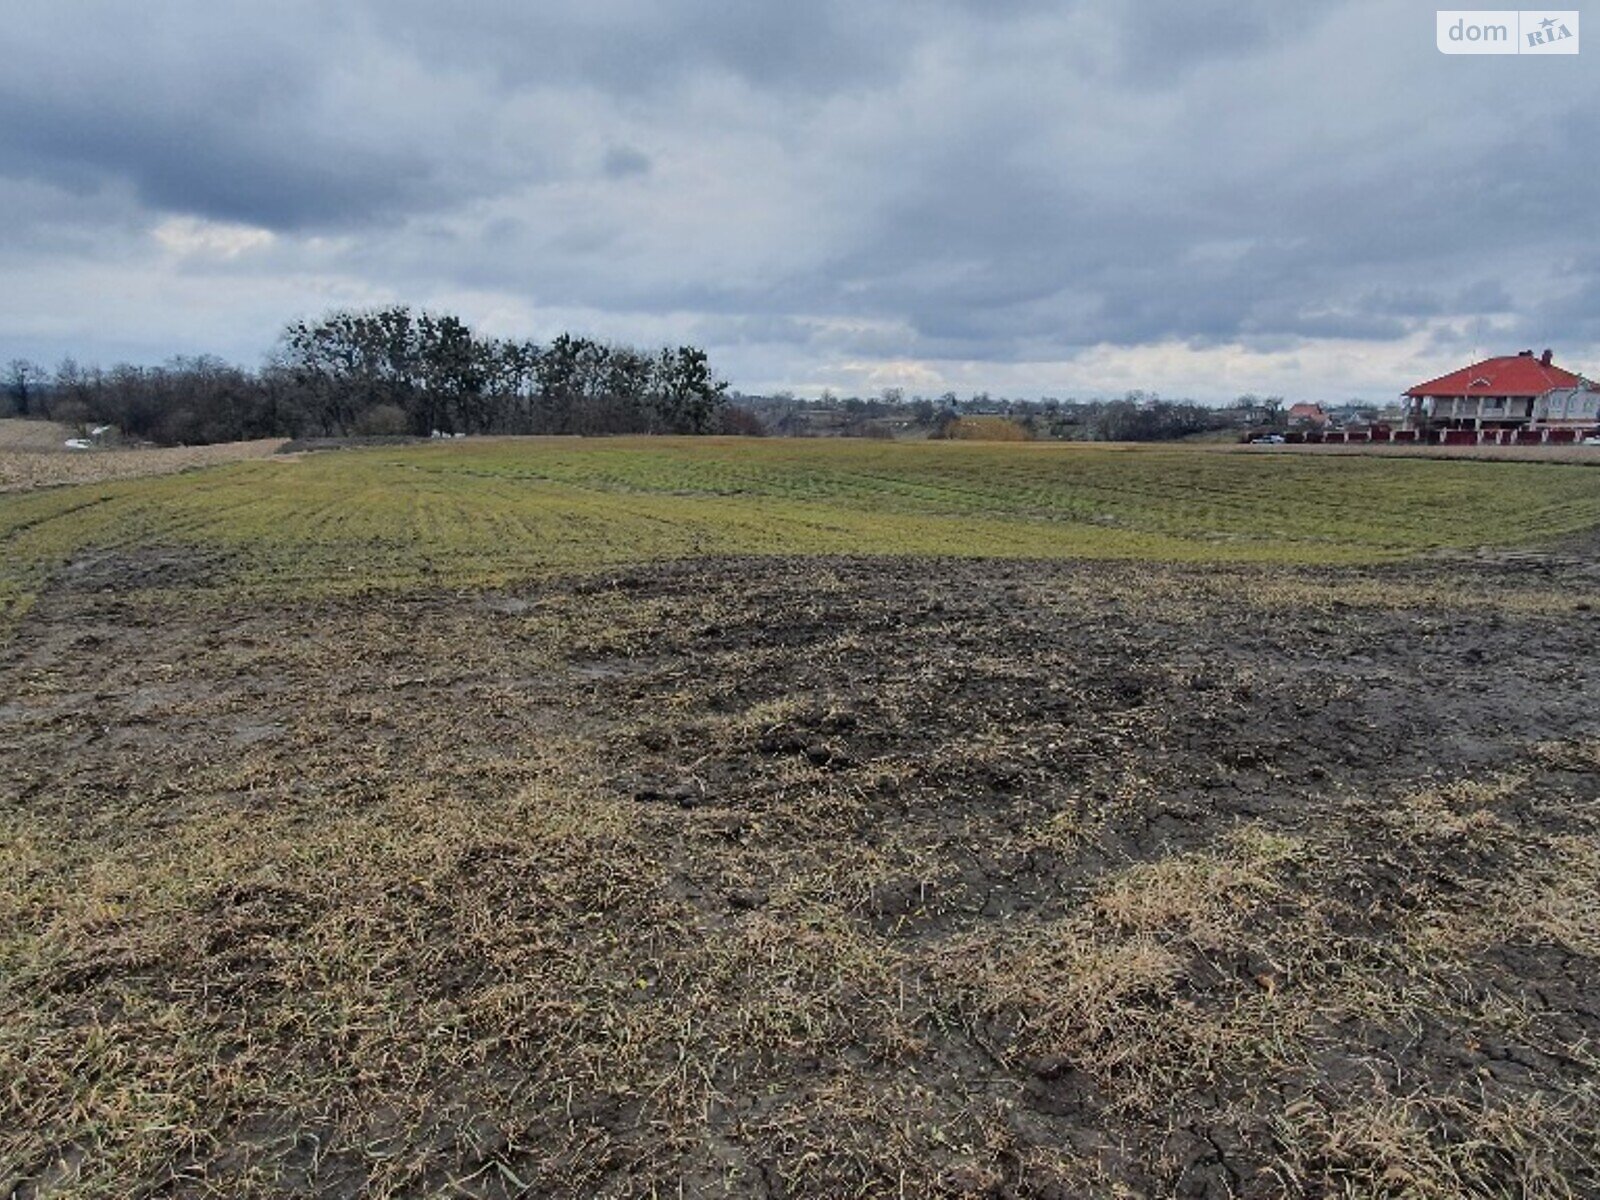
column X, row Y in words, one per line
column 704, row 817
column 33, row 455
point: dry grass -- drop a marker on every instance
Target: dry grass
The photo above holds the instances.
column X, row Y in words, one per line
column 986, row 429
column 37, row 437
column 1382, row 1145
column 1201, row 897
column 32, row 456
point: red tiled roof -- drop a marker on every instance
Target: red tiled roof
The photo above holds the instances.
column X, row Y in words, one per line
column 1508, row 375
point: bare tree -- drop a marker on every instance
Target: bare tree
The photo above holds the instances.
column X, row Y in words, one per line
column 24, row 383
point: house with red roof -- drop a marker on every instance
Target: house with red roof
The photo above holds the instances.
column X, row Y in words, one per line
column 1307, row 416
column 1514, row 391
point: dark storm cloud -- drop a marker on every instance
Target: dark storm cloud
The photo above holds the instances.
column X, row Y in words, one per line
column 234, row 131
column 953, row 180
column 202, row 163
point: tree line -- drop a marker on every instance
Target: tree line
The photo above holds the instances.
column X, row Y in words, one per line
column 1136, row 417
column 389, row 371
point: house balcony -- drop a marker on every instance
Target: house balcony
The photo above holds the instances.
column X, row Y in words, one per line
column 1480, row 412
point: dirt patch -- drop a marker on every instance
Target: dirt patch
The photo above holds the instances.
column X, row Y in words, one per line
column 140, row 569
column 807, row 878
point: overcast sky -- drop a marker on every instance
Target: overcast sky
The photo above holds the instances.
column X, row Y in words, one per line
column 1201, row 198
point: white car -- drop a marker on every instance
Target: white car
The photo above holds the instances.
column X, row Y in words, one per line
column 1592, row 440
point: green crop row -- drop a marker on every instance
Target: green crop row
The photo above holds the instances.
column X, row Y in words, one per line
column 483, row 513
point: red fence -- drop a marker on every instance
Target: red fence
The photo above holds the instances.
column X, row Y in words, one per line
column 1437, row 437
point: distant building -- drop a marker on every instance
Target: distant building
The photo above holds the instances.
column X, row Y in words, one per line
column 1512, row 392
column 1307, row 416
column 1353, row 413
column 1251, row 412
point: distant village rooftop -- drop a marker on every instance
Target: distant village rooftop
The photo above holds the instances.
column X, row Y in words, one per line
column 1308, row 414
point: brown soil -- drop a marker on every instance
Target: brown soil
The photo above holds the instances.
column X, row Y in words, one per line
column 788, row 877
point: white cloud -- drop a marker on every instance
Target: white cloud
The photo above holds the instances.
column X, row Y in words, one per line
column 194, row 237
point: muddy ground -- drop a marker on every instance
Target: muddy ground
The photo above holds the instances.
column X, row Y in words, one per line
column 779, row 877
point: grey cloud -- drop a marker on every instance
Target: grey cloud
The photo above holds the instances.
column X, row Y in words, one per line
column 636, row 47
column 969, row 181
column 248, row 149
column 753, row 330
column 1572, row 314
column 201, row 166
column 622, row 161
column 1163, row 38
